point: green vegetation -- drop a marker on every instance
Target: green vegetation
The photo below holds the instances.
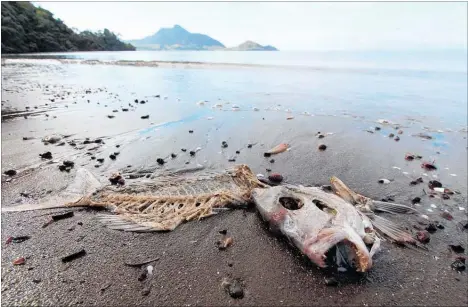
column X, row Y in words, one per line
column 26, row 28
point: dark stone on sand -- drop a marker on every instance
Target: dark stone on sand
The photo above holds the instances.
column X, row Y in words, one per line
column 36, row 280
column 68, row 163
column 97, row 141
column 267, row 154
column 320, row 136
column 275, row 177
column 249, row 146
column 235, row 290
column 110, row 116
column 145, row 117
column 457, row 248
column 268, row 170
column 62, row 167
column 445, row 196
column 423, row 236
column 25, row 138
column 237, row 152
column 416, row 200
column 72, row 144
column 431, row 228
column 322, row 147
column 124, row 110
column 46, row 155
column 391, row 135
column 10, row 172
column 190, row 131
column 115, row 111
column 85, row 142
column 173, row 155
column 160, row 161
column 142, row 102
column 117, row 146
column 331, row 282
column 101, row 160
column 458, row 265
column 136, row 100
column 377, row 128
column 116, row 153
column 223, row 232
column 74, row 256
column 397, row 138
column 434, row 184
column 192, row 153
column 232, row 160
column 272, row 161
column 112, row 157
column 184, row 150
column 224, row 144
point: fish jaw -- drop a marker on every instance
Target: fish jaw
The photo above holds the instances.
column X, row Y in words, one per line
column 317, row 248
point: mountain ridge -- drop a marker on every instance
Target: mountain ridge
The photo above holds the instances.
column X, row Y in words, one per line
column 178, row 38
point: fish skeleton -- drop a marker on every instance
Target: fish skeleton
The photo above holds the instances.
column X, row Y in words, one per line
column 314, row 220
column 161, row 204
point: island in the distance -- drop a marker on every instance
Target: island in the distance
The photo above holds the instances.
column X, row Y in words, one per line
column 178, row 38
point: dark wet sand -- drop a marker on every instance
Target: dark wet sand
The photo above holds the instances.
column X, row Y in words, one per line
column 190, row 267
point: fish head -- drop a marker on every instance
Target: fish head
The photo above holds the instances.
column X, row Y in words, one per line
column 322, row 225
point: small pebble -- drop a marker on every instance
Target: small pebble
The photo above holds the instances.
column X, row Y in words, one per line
column 322, row 147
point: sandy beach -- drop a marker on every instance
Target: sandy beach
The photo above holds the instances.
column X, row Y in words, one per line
column 75, row 101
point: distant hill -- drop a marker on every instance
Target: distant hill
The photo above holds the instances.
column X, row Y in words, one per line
column 177, row 38
column 26, row 28
column 252, row 46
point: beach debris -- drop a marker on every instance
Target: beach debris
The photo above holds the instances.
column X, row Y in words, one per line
column 400, row 131
column 411, row 157
column 290, row 117
column 124, row 109
column 430, row 166
column 173, row 155
column 423, row 236
column 184, row 150
column 331, row 282
column 322, row 147
column 272, row 161
column 370, row 131
column 74, row 256
column 110, row 116
column 160, row 161
column 201, row 103
column 457, row 248
column 377, row 128
column 434, row 184
column 237, row 152
column 397, row 138
column 10, row 172
column 116, row 178
column 52, row 139
column 47, row 155
column 18, row 239
column 417, row 181
column 140, row 263
column 384, row 181
column 192, row 153
column 112, row 157
column 423, row 135
column 224, row 243
column 446, row 215
column 277, row 149
column 391, row 135
column 145, row 116
column 320, row 136
column 232, row 159
column 100, row 160
column 233, row 287
column 190, row 131
column 115, row 111
column 385, row 122
column 19, row 261
column 224, row 144
column 255, row 109
column 66, row 166
column 223, row 231
column 459, row 264
column 58, row 217
column 275, row 178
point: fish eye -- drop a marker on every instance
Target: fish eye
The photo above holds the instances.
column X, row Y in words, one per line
column 291, row 203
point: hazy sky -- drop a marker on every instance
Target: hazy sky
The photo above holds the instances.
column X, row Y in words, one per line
column 287, row 26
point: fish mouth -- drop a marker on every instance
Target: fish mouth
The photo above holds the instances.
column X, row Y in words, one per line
column 347, row 254
column 339, row 248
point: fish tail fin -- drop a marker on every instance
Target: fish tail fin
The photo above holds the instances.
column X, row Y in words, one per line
column 391, row 208
column 73, row 196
